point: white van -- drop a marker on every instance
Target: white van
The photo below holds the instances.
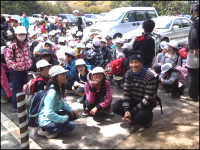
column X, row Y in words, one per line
column 122, row 20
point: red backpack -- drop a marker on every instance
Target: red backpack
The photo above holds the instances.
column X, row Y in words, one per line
column 114, row 67
column 182, row 53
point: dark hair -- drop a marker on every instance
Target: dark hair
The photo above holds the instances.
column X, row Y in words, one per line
column 86, row 70
column 47, row 44
column 194, row 7
column 148, row 25
column 62, row 43
column 3, row 19
column 68, row 55
column 41, row 22
column 14, row 20
column 96, row 47
column 41, row 68
column 46, row 55
column 53, row 81
column 3, row 59
column 102, row 88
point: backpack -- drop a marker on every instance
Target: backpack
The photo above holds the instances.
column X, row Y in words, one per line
column 7, row 33
column 28, row 89
column 88, row 76
column 83, row 25
column 182, row 53
column 6, row 52
column 34, row 107
column 183, row 72
column 114, row 67
column 158, row 100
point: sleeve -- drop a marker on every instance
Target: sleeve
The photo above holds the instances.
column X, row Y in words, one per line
column 66, row 107
column 49, row 111
column 179, row 61
column 72, row 72
column 10, row 60
column 107, row 98
column 100, row 60
column 149, row 96
column 40, row 85
column 195, row 36
column 90, row 93
column 172, row 79
column 127, row 92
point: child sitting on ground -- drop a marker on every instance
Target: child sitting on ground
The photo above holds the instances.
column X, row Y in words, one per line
column 98, row 94
column 83, row 77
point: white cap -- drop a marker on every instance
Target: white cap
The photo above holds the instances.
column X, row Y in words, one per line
column 98, row 70
column 69, row 50
column 2, row 49
column 89, row 45
column 44, row 35
column 40, row 38
column 173, row 44
column 99, row 35
column 91, row 33
column 59, row 18
column 33, row 33
column 69, row 38
column 71, row 43
column 85, row 38
column 97, row 32
column 80, row 45
column 119, row 40
column 52, row 21
column 127, row 36
column 55, row 70
column 19, row 21
column 127, row 45
column 65, row 20
column 61, row 39
column 166, row 67
column 75, row 28
column 79, row 62
column 57, row 31
column 20, row 30
column 104, row 40
column 122, row 55
column 73, row 31
column 51, row 33
column 48, row 41
column 96, row 42
column 165, row 46
column 79, row 33
column 42, row 63
column 75, row 11
column 162, row 44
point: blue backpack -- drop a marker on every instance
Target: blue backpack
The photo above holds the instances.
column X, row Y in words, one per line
column 34, row 107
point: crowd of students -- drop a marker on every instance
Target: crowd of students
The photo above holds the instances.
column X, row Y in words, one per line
column 76, row 61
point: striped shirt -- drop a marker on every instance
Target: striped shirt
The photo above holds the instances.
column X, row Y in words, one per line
column 140, row 88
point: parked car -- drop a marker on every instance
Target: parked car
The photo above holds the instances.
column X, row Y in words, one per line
column 70, row 17
column 94, row 18
column 14, row 17
column 103, row 14
column 122, row 20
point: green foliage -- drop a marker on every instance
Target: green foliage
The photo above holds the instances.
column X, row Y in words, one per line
column 32, row 7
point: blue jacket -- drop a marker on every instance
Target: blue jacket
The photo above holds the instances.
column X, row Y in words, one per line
column 25, row 23
column 50, row 28
column 71, row 74
column 53, row 102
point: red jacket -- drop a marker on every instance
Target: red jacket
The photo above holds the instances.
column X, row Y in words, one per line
column 42, row 29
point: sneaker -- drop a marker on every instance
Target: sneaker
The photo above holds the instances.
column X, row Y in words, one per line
column 4, row 100
column 47, row 134
column 86, row 113
column 109, row 112
column 148, row 124
column 188, row 98
column 175, row 96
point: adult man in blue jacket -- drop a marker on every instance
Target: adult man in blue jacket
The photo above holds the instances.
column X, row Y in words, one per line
column 24, row 21
column 70, row 59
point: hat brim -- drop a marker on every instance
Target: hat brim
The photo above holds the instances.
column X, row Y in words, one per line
column 97, row 72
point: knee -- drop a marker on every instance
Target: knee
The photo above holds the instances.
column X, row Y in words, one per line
column 71, row 126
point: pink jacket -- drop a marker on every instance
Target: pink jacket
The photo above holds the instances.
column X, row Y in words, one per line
column 91, row 95
column 4, row 81
column 23, row 60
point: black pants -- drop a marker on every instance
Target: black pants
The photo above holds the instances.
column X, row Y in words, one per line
column 69, row 83
column 91, row 106
column 141, row 117
column 194, row 82
column 175, row 89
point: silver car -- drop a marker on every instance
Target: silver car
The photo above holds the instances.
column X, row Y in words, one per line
column 173, row 28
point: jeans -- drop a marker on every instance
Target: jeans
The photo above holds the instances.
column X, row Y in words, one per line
column 67, row 126
column 18, row 79
column 194, row 82
column 141, row 117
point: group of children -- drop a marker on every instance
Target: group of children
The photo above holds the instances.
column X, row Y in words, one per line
column 77, row 63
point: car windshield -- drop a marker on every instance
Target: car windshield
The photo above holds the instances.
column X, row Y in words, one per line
column 113, row 16
column 89, row 16
column 162, row 23
column 71, row 17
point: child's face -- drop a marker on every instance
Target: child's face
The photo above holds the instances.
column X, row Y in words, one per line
column 47, row 58
column 61, row 78
column 45, row 72
column 81, row 68
column 103, row 44
column 97, row 77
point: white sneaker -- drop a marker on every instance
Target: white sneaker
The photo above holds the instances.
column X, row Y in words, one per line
column 47, row 134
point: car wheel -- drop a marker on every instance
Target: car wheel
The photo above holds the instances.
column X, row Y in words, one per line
column 118, row 35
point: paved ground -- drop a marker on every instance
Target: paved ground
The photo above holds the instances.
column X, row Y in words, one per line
column 101, row 131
